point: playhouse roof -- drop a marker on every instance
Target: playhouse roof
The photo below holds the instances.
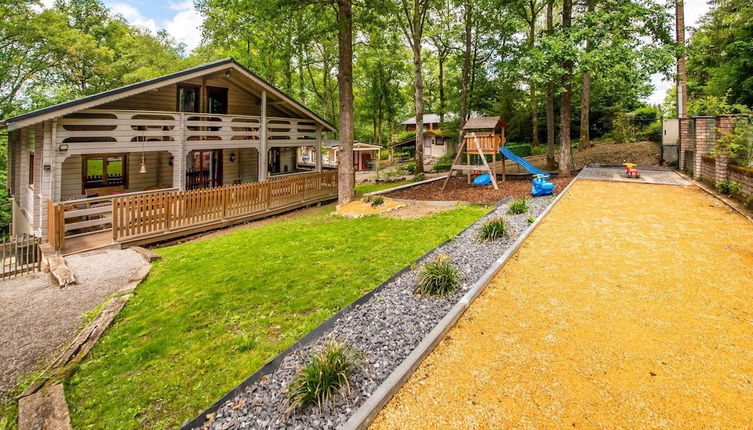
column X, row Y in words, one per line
column 485, row 122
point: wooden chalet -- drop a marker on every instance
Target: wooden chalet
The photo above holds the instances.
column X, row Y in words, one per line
column 197, row 149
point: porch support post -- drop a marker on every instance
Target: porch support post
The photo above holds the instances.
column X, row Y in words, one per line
column 319, row 149
column 263, row 137
column 179, row 157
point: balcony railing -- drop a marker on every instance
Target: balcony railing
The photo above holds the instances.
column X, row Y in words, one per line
column 93, row 128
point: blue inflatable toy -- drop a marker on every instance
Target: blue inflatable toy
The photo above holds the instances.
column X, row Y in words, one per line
column 542, row 187
column 484, row 179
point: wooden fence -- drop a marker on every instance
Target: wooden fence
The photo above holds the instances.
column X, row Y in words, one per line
column 20, row 256
column 161, row 213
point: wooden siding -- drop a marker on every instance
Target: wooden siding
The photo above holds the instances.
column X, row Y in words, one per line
column 240, row 102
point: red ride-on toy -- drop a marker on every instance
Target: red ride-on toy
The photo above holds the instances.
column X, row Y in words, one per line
column 631, row 171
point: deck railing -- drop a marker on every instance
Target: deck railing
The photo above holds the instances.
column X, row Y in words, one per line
column 156, row 213
column 20, row 256
column 94, row 127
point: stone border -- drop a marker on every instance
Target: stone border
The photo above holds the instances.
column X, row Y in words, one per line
column 366, row 413
column 318, row 331
column 42, row 405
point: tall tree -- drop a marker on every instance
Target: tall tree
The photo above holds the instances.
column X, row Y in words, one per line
column 528, row 11
column 565, row 161
column 411, row 16
column 443, row 37
column 551, row 163
column 346, row 172
column 468, row 27
column 585, row 101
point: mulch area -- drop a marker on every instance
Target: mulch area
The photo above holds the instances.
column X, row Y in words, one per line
column 459, row 189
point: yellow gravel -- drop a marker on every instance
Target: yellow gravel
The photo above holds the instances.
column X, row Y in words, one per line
column 631, row 306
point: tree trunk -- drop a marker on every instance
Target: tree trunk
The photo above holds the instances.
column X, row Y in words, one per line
column 417, row 24
column 566, row 102
column 551, row 163
column 466, row 66
column 682, row 79
column 532, row 83
column 345, row 171
column 419, row 84
column 585, row 110
column 441, row 91
column 585, row 102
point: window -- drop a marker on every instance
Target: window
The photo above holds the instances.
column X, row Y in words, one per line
column 217, row 100
column 188, row 98
column 31, row 170
column 104, row 170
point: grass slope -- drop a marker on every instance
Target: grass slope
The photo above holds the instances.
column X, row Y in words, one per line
column 212, row 312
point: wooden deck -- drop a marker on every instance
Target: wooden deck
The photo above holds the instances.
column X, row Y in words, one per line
column 147, row 218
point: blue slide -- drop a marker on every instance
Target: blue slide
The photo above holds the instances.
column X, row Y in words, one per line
column 526, row 165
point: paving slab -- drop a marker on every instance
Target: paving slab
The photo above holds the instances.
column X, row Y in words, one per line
column 648, row 176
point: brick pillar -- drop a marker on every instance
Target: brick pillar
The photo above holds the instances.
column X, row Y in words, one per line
column 705, row 136
column 684, row 140
column 725, row 124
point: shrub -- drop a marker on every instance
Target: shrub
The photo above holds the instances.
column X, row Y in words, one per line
column 405, row 135
column 411, row 167
column 377, row 201
column 521, row 150
column 366, row 199
column 652, row 132
column 623, row 128
column 531, row 220
column 646, row 115
column 730, row 188
column 326, row 373
column 443, row 163
column 493, row 229
column 518, row 207
column 438, row 278
column 384, row 154
column 749, row 202
column 419, row 177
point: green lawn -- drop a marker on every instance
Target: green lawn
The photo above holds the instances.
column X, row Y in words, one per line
column 212, row 312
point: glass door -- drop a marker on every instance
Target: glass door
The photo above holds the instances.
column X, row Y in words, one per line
column 205, row 169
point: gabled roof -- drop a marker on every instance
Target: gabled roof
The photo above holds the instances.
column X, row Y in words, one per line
column 332, row 143
column 485, row 122
column 94, row 100
column 429, row 118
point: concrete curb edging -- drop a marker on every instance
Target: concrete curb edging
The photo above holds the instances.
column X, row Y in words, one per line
column 732, row 204
column 402, row 187
column 366, row 413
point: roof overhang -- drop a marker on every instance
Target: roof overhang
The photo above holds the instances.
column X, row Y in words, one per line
column 95, row 100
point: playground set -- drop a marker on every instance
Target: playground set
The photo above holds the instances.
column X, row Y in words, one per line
column 486, row 135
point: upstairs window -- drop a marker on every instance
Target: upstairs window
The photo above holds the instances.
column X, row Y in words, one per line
column 188, row 98
column 217, row 100
column 104, row 170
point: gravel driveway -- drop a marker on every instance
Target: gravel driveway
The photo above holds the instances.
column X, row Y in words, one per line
column 38, row 319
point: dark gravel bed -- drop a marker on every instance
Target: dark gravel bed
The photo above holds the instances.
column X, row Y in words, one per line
column 385, row 329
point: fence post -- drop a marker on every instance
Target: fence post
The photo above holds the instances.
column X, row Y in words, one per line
column 168, row 210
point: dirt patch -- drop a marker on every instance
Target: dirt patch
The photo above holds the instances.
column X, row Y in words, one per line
column 38, row 318
column 459, row 190
column 641, row 153
column 365, row 207
column 605, row 318
column 418, row 210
